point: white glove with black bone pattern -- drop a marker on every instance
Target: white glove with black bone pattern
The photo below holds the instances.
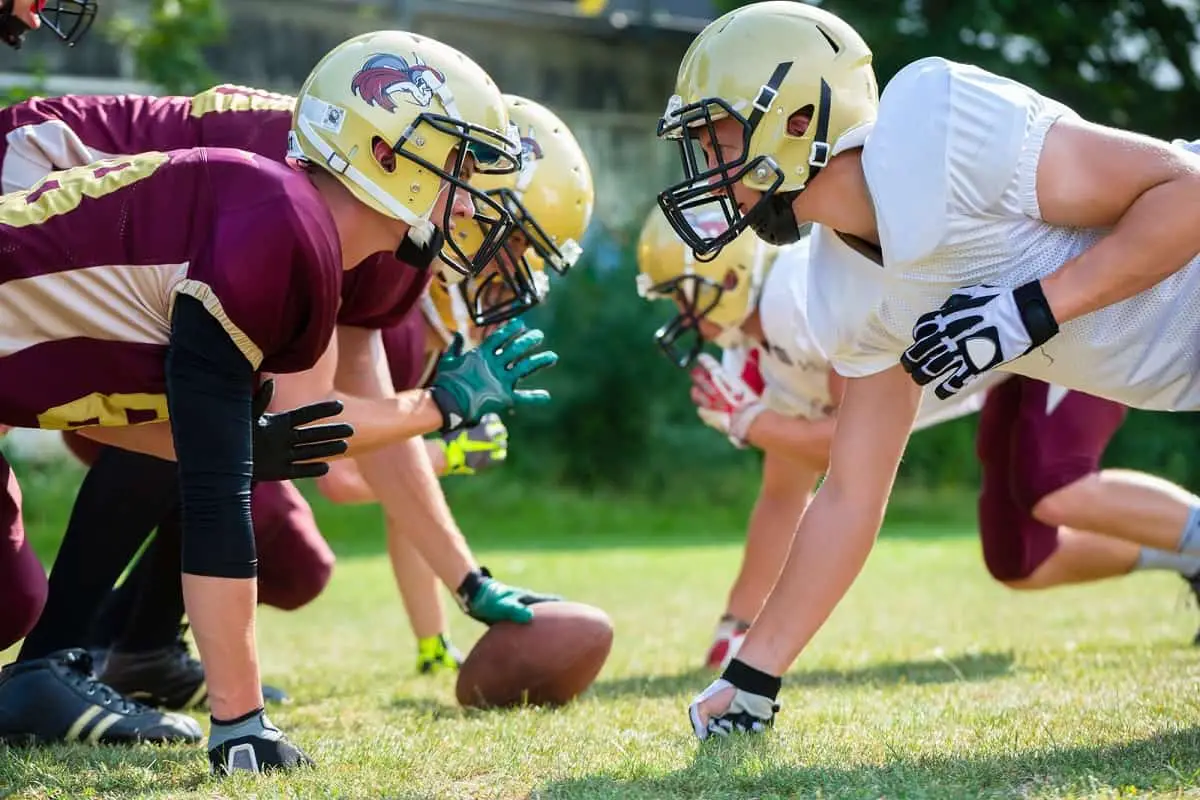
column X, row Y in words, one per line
column 751, row 707
column 723, row 401
column 976, row 329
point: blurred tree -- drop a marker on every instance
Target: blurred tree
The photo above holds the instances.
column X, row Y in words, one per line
column 168, row 41
column 1120, row 62
column 34, row 84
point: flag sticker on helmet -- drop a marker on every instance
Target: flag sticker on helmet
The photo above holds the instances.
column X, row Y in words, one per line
column 384, row 76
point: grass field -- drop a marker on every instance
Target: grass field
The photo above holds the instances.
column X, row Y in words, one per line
column 930, row 681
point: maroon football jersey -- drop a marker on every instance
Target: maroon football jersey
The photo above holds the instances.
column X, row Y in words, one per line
column 91, row 260
column 405, row 347
column 45, row 134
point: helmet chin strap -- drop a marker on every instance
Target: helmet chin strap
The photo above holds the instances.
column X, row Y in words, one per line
column 774, row 221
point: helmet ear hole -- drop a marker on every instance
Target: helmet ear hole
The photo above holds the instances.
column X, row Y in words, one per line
column 731, row 280
column 799, row 121
column 384, row 154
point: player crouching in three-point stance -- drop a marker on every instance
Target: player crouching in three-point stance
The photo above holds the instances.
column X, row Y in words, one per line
column 955, row 177
column 1039, row 445
column 551, row 201
column 377, row 319
column 188, row 313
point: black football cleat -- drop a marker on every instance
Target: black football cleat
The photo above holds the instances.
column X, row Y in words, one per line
column 167, row 677
column 58, row 699
column 1193, row 583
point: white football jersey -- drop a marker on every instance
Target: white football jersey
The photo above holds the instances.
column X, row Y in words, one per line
column 794, row 366
column 951, row 163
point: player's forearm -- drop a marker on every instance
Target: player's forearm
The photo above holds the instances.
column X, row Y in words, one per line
column 795, row 438
column 1155, row 238
column 403, row 478
column 380, row 421
column 152, row 439
column 344, row 484
column 768, row 539
column 831, row 545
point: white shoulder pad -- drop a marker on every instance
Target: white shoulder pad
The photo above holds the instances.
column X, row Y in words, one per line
column 951, row 140
column 844, row 295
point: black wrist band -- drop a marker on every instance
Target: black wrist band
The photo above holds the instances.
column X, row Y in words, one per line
column 749, row 679
column 236, row 720
column 470, row 585
column 1035, row 313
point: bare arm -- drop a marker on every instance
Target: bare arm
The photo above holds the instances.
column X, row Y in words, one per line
column 786, row 488
column 803, row 440
column 401, row 474
column 839, row 528
column 378, row 420
column 152, row 439
column 1146, row 190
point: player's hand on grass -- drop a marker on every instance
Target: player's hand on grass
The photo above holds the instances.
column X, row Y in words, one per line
column 484, row 380
column 742, row 700
column 251, row 743
column 285, row 442
column 488, row 600
column 723, row 401
column 469, row 450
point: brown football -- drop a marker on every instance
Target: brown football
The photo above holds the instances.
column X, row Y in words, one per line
column 548, row 661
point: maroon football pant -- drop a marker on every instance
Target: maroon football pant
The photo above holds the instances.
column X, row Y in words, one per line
column 294, row 561
column 1029, row 450
column 22, row 578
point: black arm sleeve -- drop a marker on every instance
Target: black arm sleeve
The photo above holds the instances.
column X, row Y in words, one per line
column 209, row 389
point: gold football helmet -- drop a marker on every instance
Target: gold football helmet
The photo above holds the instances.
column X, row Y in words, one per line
column 550, row 199
column 763, row 65
column 723, row 290
column 429, row 102
column 445, row 312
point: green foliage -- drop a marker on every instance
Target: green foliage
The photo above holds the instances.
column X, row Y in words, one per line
column 621, row 417
column 1120, row 62
column 35, row 85
column 168, row 44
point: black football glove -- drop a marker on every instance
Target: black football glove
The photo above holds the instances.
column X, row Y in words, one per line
column 976, row 329
column 283, row 449
column 251, row 743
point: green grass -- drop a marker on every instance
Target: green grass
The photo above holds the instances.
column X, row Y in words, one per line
column 929, row 681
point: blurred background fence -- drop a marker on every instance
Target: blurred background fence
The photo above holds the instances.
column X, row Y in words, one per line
column 621, row 420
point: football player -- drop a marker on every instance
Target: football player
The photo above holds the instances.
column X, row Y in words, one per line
column 1039, row 446
column 551, row 199
column 46, row 133
column 954, row 177
column 376, row 169
column 69, row 20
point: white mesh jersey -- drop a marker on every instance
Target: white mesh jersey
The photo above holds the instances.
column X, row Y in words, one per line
column 951, row 163
column 795, row 367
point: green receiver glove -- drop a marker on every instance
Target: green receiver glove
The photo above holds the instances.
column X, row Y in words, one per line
column 484, row 380
column 488, row 600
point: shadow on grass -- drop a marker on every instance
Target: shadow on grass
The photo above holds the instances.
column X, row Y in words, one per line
column 965, row 667
column 742, row 767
